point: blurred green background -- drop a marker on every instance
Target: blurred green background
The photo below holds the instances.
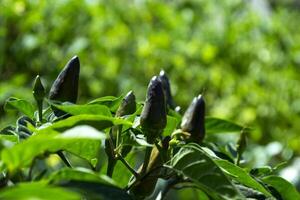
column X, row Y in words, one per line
column 244, row 55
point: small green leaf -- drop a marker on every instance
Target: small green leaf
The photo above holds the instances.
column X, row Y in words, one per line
column 194, row 163
column 285, row 188
column 215, row 125
column 261, row 171
column 239, row 175
column 74, row 109
column 79, row 174
column 99, row 122
column 20, row 105
column 11, row 138
column 83, row 141
column 37, row 190
column 110, row 101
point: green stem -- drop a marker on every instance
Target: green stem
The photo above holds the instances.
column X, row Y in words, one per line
column 118, row 129
column 64, row 159
column 31, row 169
column 146, row 160
column 40, row 110
column 111, row 155
column 238, row 159
column 40, row 175
column 127, row 166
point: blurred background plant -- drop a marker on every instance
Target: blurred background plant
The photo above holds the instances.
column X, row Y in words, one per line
column 244, row 55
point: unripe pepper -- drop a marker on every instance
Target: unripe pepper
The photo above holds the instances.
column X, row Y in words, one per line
column 153, row 117
column 127, row 106
column 65, row 87
column 167, row 89
column 193, row 120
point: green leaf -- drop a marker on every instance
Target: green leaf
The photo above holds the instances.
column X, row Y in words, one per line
column 79, row 174
column 20, row 105
column 241, row 176
column 74, row 109
column 38, row 191
column 194, row 163
column 261, row 171
column 172, row 123
column 191, row 193
column 109, row 101
column 83, row 141
column 285, row 188
column 97, row 121
column 11, row 138
column 134, row 138
column 96, row 190
column 215, row 125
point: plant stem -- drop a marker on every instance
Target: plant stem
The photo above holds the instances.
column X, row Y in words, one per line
column 40, row 111
column 40, row 175
column 119, row 157
column 118, row 130
column 146, row 160
column 64, row 159
column 238, row 159
column 111, row 154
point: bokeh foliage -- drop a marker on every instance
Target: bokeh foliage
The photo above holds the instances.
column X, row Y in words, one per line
column 244, row 55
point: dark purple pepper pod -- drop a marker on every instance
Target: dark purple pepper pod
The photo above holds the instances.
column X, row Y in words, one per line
column 65, row 87
column 127, row 106
column 167, row 89
column 154, row 117
column 193, row 120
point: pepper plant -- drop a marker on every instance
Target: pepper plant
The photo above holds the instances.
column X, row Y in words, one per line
column 121, row 148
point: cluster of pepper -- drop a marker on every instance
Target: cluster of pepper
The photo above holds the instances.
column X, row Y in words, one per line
column 153, row 120
column 64, row 89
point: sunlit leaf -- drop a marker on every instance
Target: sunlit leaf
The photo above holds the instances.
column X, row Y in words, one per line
column 74, row 109
column 286, row 190
column 109, row 101
column 20, row 105
column 97, row 121
column 37, row 191
column 79, row 174
column 82, row 141
column 11, row 138
column 240, row 175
